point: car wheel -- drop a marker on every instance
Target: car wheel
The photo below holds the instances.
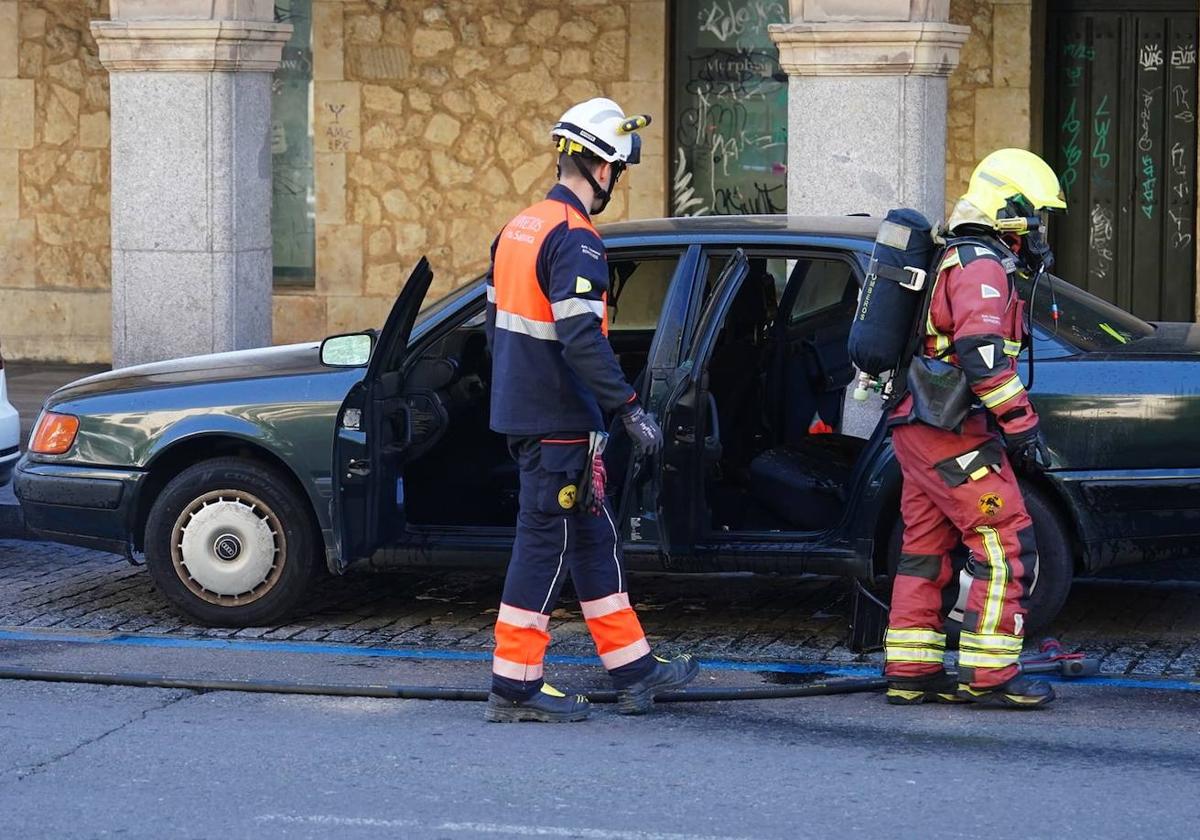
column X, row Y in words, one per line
column 231, row 543
column 1056, row 565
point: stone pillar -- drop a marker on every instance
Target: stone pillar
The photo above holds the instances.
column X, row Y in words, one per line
column 867, row 103
column 191, row 174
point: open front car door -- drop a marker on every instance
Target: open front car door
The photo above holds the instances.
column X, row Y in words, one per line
column 376, row 426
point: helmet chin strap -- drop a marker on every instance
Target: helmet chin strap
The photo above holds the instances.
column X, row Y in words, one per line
column 603, row 195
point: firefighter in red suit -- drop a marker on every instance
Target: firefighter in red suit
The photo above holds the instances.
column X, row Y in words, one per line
column 959, row 482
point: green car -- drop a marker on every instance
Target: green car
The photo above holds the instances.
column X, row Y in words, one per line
column 241, row 476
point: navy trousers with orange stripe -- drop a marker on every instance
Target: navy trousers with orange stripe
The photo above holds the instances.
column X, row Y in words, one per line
column 555, row 540
column 984, row 509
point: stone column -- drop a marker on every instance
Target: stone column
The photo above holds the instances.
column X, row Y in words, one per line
column 867, row 103
column 191, row 174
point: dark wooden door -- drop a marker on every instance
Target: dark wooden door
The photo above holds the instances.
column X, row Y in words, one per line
column 1121, row 134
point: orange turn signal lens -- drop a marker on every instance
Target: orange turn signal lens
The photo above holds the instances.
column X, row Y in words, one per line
column 55, row 433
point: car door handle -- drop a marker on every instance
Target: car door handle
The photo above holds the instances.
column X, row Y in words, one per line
column 359, row 467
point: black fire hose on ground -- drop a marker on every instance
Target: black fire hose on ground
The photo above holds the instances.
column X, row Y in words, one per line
column 421, row 692
column 1068, row 666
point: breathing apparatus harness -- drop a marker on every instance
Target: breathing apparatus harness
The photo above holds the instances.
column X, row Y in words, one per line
column 1035, row 256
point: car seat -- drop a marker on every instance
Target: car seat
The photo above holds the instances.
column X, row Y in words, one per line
column 805, row 484
column 735, row 372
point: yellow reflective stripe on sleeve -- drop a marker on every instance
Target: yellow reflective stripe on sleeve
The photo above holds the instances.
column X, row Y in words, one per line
column 940, row 342
column 914, row 636
column 900, row 653
column 1012, row 348
column 1001, row 395
column 975, row 659
column 993, row 605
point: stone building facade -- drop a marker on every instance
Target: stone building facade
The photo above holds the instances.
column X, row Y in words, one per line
column 992, row 100
column 429, row 127
column 54, row 183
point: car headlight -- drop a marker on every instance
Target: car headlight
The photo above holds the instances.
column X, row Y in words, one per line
column 54, row 433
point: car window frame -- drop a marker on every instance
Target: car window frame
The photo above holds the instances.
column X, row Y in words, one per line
column 846, row 255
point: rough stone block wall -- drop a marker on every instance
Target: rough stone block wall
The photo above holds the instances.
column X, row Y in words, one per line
column 431, row 129
column 990, row 92
column 54, row 182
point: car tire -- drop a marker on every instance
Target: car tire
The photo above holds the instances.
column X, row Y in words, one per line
column 1056, row 564
column 231, row 543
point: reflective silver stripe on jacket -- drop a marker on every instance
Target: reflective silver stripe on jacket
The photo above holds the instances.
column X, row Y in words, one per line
column 542, row 330
column 571, row 307
column 491, row 293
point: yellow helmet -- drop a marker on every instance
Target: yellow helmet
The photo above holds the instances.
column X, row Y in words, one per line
column 1008, row 184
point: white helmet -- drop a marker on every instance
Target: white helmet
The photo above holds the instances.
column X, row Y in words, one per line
column 601, row 127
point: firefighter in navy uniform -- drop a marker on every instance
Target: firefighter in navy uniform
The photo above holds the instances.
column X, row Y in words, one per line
column 959, row 482
column 554, row 381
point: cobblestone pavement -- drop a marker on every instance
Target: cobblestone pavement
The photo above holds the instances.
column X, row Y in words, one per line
column 1145, row 629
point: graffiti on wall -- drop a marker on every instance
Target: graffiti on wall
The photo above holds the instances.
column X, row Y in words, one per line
column 729, row 121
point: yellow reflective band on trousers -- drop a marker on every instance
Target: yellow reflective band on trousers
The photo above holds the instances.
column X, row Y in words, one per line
column 914, row 644
column 993, row 603
column 905, row 653
column 915, row 635
column 977, row 659
column 990, row 642
column 1001, row 395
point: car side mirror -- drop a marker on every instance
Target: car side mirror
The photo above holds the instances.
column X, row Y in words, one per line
column 348, row 351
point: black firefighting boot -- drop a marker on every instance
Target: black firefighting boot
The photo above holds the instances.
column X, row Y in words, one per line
column 938, row 687
column 1020, row 692
column 667, row 674
column 547, row 706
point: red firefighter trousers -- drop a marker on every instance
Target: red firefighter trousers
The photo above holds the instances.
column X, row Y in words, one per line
column 960, row 486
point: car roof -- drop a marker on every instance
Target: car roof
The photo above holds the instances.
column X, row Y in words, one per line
column 720, row 227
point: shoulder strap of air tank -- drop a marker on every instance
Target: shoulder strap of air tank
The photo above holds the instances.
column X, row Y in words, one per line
column 994, row 247
column 917, row 334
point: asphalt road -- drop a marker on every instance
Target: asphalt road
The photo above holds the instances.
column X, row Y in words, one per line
column 98, row 762
column 92, row 761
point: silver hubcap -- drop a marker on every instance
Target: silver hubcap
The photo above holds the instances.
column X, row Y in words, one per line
column 228, row 547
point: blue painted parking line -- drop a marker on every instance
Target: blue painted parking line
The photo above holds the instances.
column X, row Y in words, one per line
column 432, row 654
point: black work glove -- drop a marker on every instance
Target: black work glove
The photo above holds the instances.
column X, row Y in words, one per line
column 647, row 437
column 1027, row 450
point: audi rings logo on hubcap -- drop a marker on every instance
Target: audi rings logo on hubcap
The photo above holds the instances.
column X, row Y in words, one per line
column 227, row 547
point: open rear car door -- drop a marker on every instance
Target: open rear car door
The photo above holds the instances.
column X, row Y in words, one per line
column 679, row 397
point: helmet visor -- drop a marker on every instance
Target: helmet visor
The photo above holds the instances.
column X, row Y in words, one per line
column 635, row 152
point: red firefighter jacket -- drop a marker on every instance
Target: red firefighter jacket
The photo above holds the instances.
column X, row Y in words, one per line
column 976, row 321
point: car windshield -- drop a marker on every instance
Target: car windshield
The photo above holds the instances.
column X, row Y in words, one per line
column 1085, row 321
